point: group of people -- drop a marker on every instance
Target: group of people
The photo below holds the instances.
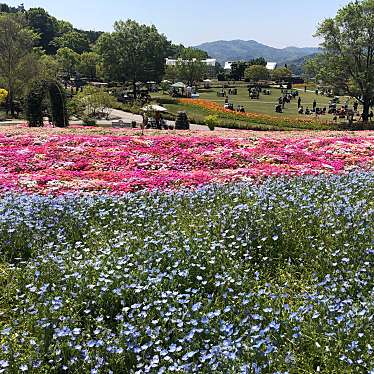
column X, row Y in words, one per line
column 285, row 99
column 346, row 112
column 230, row 106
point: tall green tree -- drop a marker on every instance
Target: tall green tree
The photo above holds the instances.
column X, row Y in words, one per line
column 16, row 42
column 348, row 59
column 133, row 52
column 88, row 64
column 190, row 68
column 76, row 41
column 256, row 73
column 189, row 53
column 237, row 70
column 69, row 61
column 46, row 26
column 281, row 74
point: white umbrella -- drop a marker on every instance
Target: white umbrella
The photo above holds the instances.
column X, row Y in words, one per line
column 154, row 108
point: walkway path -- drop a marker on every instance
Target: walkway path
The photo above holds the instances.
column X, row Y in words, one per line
column 129, row 117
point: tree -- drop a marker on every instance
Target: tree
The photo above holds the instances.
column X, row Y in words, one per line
column 64, row 27
column 68, row 60
column 88, row 64
column 46, row 26
column 92, row 102
column 171, row 73
column 257, row 61
column 348, row 59
column 237, row 70
column 189, row 53
column 4, row 8
column 74, row 40
column 281, row 74
column 16, row 42
column 49, row 67
column 133, row 52
column 256, row 73
column 39, row 91
column 190, row 68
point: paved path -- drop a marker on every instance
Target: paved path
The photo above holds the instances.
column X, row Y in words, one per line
column 129, row 117
column 126, row 117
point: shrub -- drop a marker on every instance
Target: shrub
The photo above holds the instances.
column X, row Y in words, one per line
column 181, row 122
column 211, row 121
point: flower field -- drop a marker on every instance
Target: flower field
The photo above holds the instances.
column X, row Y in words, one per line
column 55, row 162
column 273, row 278
column 259, row 118
column 236, row 252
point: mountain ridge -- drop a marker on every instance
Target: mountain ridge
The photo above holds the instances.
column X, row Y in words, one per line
column 238, row 49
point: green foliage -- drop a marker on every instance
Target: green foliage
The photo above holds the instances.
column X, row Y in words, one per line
column 133, row 52
column 348, row 61
column 187, row 53
column 16, row 42
column 93, row 102
column 211, row 121
column 181, row 121
column 282, row 266
column 74, row 40
column 256, row 73
column 190, row 68
column 5, row 8
column 45, row 25
column 68, row 60
column 49, row 67
column 38, row 91
column 281, row 74
column 238, row 68
column 3, row 95
column 88, row 63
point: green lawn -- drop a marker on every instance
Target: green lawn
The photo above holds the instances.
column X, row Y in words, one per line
column 266, row 104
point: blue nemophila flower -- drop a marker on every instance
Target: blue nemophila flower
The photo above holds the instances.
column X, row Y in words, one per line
column 4, row 363
column 149, row 279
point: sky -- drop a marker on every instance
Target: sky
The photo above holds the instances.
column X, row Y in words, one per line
column 278, row 23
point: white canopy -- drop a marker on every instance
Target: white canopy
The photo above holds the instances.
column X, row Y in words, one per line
column 178, row 85
column 154, row 108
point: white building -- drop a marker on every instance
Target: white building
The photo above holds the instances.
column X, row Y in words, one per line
column 271, row 66
column 228, row 65
column 209, row 61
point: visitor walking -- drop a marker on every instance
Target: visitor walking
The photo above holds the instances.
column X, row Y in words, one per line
column 299, row 103
column 314, row 105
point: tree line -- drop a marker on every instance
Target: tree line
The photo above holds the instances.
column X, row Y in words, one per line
column 36, row 45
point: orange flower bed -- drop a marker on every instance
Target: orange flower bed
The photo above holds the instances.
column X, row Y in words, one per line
column 255, row 117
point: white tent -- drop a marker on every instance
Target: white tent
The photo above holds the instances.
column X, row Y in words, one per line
column 154, row 108
column 207, row 83
column 178, row 85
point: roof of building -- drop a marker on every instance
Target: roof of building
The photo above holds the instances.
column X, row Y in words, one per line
column 271, row 65
column 208, row 61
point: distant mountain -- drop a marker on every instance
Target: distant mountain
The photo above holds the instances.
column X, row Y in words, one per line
column 235, row 50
